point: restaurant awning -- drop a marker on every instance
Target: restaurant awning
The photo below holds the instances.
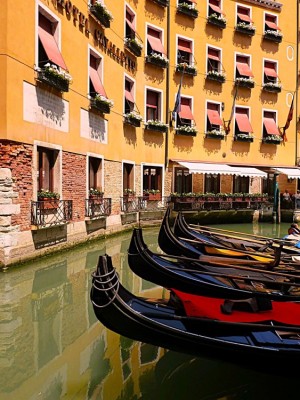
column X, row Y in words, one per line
column 224, row 169
column 290, row 172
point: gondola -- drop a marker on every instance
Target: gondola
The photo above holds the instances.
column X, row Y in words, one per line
column 209, row 279
column 207, row 236
column 171, row 244
column 198, row 325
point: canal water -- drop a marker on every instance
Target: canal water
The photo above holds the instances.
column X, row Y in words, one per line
column 52, row 347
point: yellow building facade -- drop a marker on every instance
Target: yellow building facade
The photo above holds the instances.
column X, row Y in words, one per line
column 143, row 96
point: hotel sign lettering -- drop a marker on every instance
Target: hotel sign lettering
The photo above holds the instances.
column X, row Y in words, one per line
column 110, row 48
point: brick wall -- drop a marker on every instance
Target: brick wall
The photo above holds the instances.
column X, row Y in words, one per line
column 18, row 158
column 74, row 182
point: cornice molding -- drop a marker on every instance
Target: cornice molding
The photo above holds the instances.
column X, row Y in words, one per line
column 274, row 5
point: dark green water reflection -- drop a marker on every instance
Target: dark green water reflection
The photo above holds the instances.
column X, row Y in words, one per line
column 52, row 347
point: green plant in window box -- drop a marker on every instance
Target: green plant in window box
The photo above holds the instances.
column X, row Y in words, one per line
column 215, row 75
column 95, row 192
column 217, row 19
column 128, row 192
column 101, row 12
column 186, row 68
column 47, row 194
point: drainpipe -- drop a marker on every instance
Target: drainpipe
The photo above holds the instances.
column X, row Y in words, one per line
column 167, row 90
column 276, row 206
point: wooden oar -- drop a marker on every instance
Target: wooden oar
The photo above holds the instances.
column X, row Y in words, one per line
column 234, row 251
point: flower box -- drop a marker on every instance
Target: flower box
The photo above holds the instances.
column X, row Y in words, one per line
column 57, row 81
column 244, row 82
column 216, row 76
column 186, row 130
column 48, row 203
column 215, row 135
column 163, row 3
column 271, row 87
column 157, row 60
column 152, row 196
column 186, row 69
column 102, row 14
column 131, row 120
column 243, row 137
column 101, row 103
column 156, row 126
column 245, row 29
column 272, row 139
column 188, row 10
column 134, row 46
column 215, row 19
column 273, row 36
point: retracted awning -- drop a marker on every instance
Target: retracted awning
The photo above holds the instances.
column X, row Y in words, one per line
column 290, row 172
column 224, row 169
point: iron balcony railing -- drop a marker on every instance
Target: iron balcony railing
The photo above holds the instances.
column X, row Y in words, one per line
column 98, row 207
column 51, row 212
column 142, row 203
column 182, row 205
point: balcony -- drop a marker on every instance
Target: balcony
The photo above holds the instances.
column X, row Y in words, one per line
column 157, row 59
column 273, row 36
column 54, row 77
column 245, row 29
column 187, row 9
column 50, row 212
column 217, row 20
column 143, row 203
column 245, row 82
column 97, row 207
column 243, row 137
column 102, row 14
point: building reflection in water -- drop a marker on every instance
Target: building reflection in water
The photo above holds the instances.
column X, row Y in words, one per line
column 53, row 347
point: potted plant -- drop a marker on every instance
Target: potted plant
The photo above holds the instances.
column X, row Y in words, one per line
column 247, row 82
column 54, row 76
column 133, row 118
column 187, row 9
column 156, row 125
column 95, row 193
column 272, row 35
column 128, row 193
column 48, row 199
column 152, row 194
column 272, row 87
column 214, row 75
column 134, row 45
column 101, row 103
column 186, row 130
column 100, row 11
column 237, row 196
column 217, row 19
column 157, row 59
column 186, row 69
column 243, row 27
